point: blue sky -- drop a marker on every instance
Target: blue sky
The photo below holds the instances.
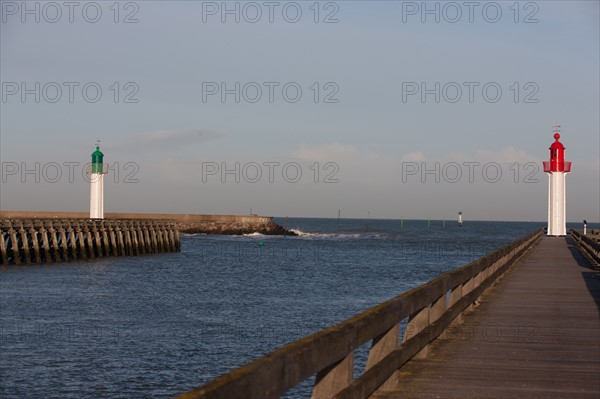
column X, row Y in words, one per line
column 365, row 133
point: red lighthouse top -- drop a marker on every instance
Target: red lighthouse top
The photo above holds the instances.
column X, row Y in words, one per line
column 557, row 157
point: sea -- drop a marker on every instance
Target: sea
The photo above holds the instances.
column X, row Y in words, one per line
column 158, row 326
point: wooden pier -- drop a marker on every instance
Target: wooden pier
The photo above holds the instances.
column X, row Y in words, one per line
column 27, row 241
column 533, row 333
column 536, row 334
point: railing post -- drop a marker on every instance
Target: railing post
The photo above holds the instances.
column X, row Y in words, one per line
column 455, row 295
column 437, row 309
column 382, row 346
column 331, row 380
column 467, row 288
column 417, row 322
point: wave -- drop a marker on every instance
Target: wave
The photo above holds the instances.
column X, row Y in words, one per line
column 255, row 234
column 304, row 234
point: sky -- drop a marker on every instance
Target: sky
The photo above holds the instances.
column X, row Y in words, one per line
column 380, row 109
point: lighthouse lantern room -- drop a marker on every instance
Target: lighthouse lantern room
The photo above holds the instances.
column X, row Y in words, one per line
column 97, row 184
column 557, row 170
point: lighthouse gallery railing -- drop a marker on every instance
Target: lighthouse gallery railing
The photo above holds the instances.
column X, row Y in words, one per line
column 562, row 166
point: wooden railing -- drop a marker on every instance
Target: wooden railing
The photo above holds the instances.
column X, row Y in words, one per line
column 428, row 310
column 587, row 245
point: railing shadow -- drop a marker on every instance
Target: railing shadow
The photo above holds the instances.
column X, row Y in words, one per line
column 577, row 255
column 592, row 277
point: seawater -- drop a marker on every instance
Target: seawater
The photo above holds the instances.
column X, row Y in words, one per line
column 135, row 327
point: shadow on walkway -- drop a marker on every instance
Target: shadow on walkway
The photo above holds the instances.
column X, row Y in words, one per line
column 592, row 277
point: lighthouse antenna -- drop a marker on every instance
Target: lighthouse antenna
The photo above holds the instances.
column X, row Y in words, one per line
column 557, row 128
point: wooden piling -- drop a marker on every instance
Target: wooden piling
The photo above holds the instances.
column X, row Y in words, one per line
column 89, row 240
column 177, row 240
column 113, row 241
column 147, row 243
column 45, row 250
column 50, row 240
column 35, row 243
column 63, row 242
column 97, row 240
column 105, row 242
column 159, row 238
column 3, row 251
column 54, row 239
column 80, row 240
column 72, row 240
column 16, row 253
column 134, row 239
column 128, row 242
column 119, row 234
column 25, row 243
column 153, row 238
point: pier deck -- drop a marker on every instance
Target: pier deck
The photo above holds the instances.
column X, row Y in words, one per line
column 536, row 333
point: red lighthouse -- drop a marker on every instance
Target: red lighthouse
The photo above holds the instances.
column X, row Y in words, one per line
column 557, row 170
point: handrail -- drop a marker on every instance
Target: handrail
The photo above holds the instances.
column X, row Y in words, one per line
column 329, row 353
column 589, row 247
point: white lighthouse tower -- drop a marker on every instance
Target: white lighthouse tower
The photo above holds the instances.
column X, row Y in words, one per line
column 97, row 185
column 557, row 170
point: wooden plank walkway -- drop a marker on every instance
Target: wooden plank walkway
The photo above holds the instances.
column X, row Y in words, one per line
column 535, row 334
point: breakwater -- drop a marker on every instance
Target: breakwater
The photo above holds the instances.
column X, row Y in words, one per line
column 27, row 241
column 186, row 223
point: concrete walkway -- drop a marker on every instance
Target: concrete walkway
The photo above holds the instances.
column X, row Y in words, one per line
column 535, row 334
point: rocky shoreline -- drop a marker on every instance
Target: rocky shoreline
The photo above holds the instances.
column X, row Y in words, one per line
column 270, row 228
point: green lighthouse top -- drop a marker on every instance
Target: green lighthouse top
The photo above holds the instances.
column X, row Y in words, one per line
column 97, row 159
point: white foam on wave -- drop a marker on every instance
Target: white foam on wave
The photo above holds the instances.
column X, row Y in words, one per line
column 304, row 234
column 255, row 234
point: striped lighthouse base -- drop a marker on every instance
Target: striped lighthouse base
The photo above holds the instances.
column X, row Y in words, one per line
column 557, row 219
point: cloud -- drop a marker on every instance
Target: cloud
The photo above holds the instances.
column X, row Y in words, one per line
column 326, row 152
column 159, row 140
column 413, row 156
column 349, row 153
column 506, row 155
